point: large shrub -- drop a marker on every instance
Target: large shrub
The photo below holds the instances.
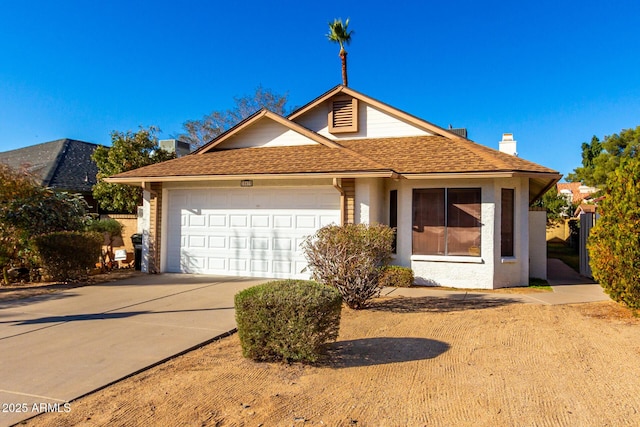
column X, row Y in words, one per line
column 396, row 276
column 289, row 320
column 614, row 242
column 28, row 209
column 68, row 255
column 350, row 258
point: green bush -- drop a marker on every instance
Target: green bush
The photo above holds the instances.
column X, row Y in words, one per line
column 68, row 255
column 288, row 320
column 394, row 275
column 614, row 242
column 349, row 258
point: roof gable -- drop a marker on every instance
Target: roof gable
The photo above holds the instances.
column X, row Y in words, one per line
column 265, row 129
column 378, row 120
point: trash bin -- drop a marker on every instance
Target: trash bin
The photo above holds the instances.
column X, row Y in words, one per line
column 136, row 239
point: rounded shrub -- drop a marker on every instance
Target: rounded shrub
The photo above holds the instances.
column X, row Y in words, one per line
column 396, row 276
column 287, row 320
column 68, row 255
column 614, row 242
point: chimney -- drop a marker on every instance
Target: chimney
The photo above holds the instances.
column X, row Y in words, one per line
column 508, row 144
column 174, row 146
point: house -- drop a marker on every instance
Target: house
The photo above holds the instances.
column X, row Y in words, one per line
column 242, row 204
column 575, row 192
column 63, row 164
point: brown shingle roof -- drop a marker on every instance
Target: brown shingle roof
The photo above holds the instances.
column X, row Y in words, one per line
column 435, row 154
column 409, row 155
column 265, row 160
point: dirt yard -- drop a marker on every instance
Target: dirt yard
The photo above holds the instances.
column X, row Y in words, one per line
column 403, row 362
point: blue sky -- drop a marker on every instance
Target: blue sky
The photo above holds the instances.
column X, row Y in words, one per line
column 553, row 73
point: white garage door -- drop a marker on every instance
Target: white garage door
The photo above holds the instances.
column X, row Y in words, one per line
column 245, row 231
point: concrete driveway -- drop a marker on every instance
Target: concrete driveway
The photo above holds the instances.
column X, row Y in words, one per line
column 55, row 348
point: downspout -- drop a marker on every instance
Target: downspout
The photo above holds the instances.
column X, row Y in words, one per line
column 337, row 186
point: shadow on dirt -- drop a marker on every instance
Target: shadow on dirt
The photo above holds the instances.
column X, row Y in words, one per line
column 382, row 350
column 459, row 302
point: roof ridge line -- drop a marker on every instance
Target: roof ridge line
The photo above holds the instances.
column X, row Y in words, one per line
column 480, row 150
column 52, row 173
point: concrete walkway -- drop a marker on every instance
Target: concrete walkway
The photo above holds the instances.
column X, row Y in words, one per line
column 57, row 347
column 568, row 287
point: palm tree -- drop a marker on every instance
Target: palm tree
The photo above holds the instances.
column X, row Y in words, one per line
column 338, row 33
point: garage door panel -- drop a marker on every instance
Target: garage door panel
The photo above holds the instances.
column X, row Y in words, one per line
column 255, row 232
column 259, row 243
column 260, row 221
column 282, row 221
column 217, row 220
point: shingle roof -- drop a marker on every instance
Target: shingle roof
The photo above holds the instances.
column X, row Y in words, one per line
column 254, row 161
column 435, row 154
column 64, row 164
column 410, row 155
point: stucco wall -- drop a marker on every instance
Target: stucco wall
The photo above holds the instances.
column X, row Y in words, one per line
column 537, row 244
column 369, row 203
column 489, row 270
column 513, row 271
column 461, row 272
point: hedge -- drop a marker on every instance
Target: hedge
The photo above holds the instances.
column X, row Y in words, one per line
column 68, row 255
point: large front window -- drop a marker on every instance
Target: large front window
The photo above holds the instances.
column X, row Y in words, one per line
column 446, row 221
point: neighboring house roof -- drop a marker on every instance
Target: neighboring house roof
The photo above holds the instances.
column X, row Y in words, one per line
column 64, row 164
column 577, row 190
column 433, row 152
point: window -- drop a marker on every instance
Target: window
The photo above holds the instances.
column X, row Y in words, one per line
column 446, row 221
column 506, row 222
column 393, row 216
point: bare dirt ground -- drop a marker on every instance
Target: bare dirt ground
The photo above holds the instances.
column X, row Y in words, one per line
column 403, row 362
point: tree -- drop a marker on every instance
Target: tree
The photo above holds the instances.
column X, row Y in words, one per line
column 601, row 158
column 557, row 205
column 200, row 132
column 339, row 33
column 27, row 210
column 614, row 242
column 128, row 151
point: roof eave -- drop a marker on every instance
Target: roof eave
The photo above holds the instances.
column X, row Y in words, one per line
column 140, row 181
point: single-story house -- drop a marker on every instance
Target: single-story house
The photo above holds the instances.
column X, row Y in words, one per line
column 243, row 203
column 63, row 164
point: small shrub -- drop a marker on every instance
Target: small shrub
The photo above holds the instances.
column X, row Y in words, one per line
column 349, row 258
column 68, row 255
column 288, row 320
column 394, row 275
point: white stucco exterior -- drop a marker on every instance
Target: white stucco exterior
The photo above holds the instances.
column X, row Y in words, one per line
column 487, row 271
column 538, row 244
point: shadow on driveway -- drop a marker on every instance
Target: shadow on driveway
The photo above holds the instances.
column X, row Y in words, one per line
column 458, row 302
column 102, row 316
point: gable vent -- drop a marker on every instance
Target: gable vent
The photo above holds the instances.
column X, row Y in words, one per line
column 343, row 115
